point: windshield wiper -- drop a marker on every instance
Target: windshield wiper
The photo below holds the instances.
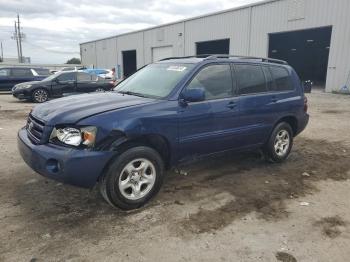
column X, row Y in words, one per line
column 132, row 93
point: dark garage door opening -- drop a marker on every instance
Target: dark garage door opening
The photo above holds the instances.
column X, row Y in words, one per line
column 129, row 62
column 221, row 46
column 306, row 50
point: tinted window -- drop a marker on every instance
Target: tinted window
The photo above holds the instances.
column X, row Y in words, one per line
column 66, row 77
column 282, row 79
column 42, row 71
column 84, row 77
column 250, row 79
column 21, row 72
column 4, row 72
column 269, row 81
column 216, row 81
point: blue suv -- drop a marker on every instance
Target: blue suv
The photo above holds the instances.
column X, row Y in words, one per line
column 166, row 113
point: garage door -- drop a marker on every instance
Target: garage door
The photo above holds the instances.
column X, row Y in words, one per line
column 158, row 53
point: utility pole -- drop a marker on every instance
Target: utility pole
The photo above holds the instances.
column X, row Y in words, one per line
column 19, row 39
column 15, row 37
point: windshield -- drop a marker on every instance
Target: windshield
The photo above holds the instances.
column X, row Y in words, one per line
column 155, row 80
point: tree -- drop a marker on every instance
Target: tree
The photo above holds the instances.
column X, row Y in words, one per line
column 73, row 60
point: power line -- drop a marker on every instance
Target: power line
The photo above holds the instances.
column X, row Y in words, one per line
column 51, row 50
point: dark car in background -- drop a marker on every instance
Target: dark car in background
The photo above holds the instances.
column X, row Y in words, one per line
column 10, row 76
column 60, row 84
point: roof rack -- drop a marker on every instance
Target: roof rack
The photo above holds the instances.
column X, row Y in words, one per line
column 184, row 57
column 262, row 59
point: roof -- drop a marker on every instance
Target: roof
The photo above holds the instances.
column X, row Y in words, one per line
column 262, row 2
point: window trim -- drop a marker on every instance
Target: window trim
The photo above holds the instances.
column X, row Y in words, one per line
column 199, row 70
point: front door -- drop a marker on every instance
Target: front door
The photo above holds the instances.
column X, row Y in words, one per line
column 65, row 83
column 210, row 126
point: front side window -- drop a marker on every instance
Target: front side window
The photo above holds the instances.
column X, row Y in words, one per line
column 216, row 80
column 282, row 78
column 66, row 77
column 21, row 72
column 251, row 79
column 155, row 80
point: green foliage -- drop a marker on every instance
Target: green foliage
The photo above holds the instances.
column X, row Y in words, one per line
column 73, row 60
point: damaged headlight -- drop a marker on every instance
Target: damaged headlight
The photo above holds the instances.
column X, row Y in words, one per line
column 75, row 136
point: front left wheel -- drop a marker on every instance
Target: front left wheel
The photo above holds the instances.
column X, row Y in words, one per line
column 133, row 178
column 40, row 95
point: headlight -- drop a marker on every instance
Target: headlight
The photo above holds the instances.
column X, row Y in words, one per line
column 23, row 86
column 75, row 136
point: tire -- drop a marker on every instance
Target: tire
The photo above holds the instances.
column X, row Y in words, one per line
column 280, row 143
column 40, row 95
column 133, row 178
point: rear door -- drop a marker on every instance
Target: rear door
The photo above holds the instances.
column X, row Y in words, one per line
column 256, row 104
column 20, row 75
column 86, row 82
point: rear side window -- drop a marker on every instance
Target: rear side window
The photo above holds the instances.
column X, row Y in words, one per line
column 216, row 81
column 84, row 77
column 66, row 77
column 250, row 79
column 282, row 78
column 21, row 72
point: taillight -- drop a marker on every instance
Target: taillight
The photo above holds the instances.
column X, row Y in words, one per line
column 305, row 104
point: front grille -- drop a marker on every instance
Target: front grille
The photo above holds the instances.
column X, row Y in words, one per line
column 35, row 129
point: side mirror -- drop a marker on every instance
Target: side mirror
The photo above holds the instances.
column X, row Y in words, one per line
column 193, row 95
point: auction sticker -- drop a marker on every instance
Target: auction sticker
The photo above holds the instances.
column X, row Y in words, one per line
column 176, row 68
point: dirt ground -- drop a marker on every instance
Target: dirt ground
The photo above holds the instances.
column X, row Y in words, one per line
column 228, row 208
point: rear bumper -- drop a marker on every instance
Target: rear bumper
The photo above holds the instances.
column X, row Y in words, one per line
column 71, row 166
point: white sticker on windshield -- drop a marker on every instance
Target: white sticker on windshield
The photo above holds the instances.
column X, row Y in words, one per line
column 176, row 68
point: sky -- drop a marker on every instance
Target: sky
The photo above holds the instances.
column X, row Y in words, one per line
column 54, row 28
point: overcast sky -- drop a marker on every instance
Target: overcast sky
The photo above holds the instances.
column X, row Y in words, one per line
column 54, row 28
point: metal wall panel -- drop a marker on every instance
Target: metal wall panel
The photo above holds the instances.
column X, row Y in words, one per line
column 171, row 35
column 133, row 41
column 106, row 53
column 233, row 25
column 88, row 54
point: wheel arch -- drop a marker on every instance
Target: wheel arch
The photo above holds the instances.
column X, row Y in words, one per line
column 291, row 120
column 122, row 142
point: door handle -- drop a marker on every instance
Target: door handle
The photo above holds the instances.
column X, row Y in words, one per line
column 232, row 105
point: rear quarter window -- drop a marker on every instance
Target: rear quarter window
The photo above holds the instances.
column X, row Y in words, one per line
column 282, row 79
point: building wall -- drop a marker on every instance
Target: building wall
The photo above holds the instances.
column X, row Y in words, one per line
column 247, row 28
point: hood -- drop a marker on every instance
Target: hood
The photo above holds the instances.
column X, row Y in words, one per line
column 30, row 83
column 71, row 109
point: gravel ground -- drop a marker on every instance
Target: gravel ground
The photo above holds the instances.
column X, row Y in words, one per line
column 228, row 208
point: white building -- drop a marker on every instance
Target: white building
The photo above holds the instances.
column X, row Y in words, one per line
column 312, row 35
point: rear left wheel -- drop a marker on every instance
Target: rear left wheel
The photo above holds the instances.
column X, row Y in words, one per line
column 280, row 143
